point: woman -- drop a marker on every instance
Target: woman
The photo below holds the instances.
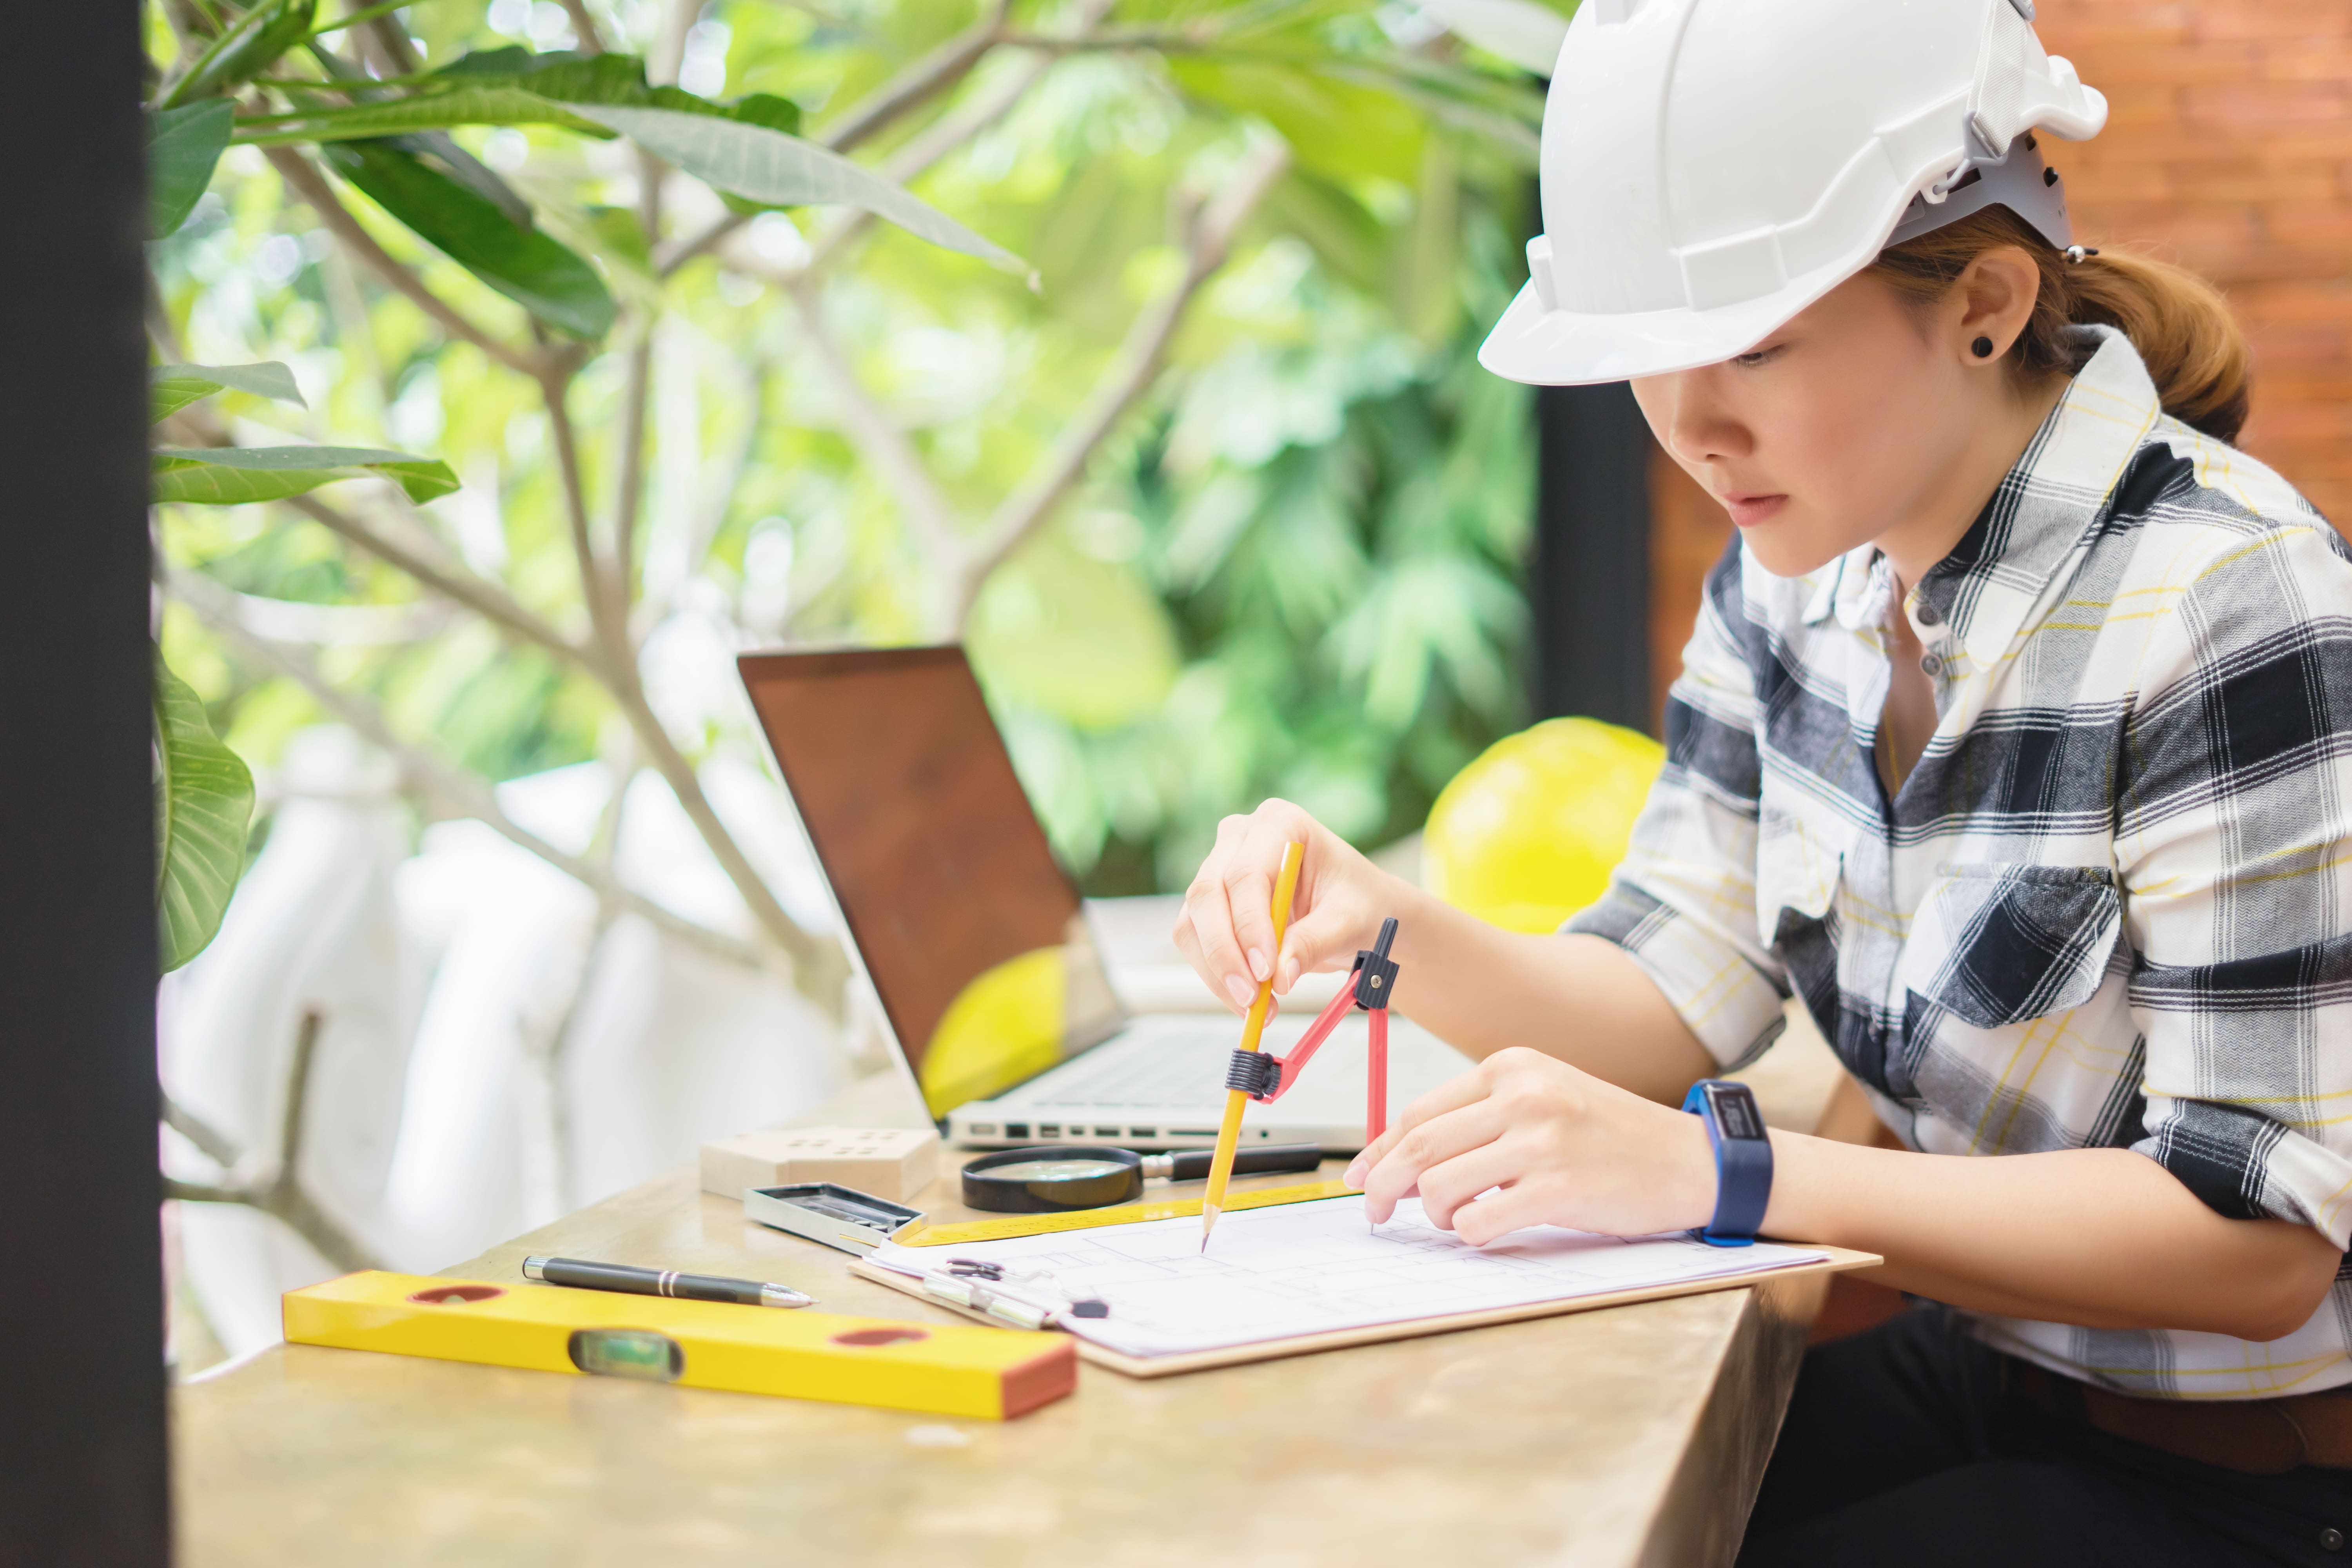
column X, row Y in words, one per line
column 2013, row 739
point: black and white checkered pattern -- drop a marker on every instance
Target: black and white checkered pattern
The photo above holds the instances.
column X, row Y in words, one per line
column 2111, row 906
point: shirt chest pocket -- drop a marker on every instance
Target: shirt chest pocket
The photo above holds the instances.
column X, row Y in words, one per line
column 1995, row 945
column 1797, row 873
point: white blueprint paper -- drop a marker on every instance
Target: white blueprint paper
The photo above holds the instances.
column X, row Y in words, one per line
column 1312, row 1267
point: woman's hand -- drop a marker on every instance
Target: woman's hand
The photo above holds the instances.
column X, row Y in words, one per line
column 1226, row 929
column 1565, row 1147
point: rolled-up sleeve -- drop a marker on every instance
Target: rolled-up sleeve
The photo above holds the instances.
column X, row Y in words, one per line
column 1682, row 903
column 2233, row 847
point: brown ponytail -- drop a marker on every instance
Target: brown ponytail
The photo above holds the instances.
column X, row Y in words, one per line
column 2178, row 323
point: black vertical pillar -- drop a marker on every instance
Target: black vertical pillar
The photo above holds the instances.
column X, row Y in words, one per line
column 82, row 1461
column 1591, row 586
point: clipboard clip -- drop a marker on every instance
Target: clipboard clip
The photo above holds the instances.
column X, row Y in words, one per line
column 1267, row 1078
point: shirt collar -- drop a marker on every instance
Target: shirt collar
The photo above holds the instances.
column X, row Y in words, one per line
column 2045, row 508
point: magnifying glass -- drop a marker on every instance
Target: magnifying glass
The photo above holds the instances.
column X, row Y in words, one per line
column 1052, row 1179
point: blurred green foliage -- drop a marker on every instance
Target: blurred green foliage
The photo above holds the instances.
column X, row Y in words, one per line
column 1293, row 570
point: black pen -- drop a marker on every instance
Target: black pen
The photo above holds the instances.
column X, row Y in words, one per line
column 586, row 1275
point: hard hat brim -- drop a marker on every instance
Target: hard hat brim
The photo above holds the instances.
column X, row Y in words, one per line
column 1567, row 348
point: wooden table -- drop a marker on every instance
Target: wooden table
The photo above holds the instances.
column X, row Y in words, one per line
column 1630, row 1434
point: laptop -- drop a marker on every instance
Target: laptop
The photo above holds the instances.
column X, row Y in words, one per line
column 999, row 1010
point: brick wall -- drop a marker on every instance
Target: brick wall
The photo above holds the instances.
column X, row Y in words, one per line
column 2228, row 149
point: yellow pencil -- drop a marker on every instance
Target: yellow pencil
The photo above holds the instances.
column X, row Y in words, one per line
column 1229, row 1135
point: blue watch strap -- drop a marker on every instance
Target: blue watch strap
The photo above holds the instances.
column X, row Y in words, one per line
column 1743, row 1160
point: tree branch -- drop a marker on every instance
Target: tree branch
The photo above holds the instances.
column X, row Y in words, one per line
column 669, row 46
column 880, row 442
column 583, row 27
column 486, row 599
column 818, row 966
column 215, row 1145
column 919, row 82
column 660, row 579
column 936, row 142
column 449, row 791
column 1167, row 40
column 913, row 85
column 661, row 69
column 816, row 963
column 943, row 137
column 276, row 1191
column 628, row 501
column 1128, row 377
column 611, row 638
column 312, row 187
column 390, row 40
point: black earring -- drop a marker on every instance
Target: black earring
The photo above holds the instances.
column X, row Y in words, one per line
column 1981, row 348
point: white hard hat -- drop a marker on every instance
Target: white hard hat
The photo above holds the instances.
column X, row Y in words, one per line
column 1712, row 168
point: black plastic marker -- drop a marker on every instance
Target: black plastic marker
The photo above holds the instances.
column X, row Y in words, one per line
column 586, row 1275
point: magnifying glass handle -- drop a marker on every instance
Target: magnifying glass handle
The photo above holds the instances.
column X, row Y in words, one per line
column 1192, row 1164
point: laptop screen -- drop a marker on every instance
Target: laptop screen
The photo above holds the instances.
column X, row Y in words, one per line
column 973, row 935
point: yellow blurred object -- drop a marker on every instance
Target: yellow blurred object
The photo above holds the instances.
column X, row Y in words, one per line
column 949, row 1369
column 1003, row 1027
column 1527, row 835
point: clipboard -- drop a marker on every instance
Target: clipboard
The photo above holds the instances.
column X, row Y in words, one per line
column 1839, row 1260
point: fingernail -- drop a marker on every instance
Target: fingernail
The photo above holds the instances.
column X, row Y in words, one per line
column 1257, row 964
column 1355, row 1176
column 1239, row 990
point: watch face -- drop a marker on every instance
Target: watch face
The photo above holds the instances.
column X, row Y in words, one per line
column 1735, row 1110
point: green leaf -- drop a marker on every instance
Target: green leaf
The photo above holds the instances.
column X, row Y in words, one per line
column 173, row 386
column 488, row 103
column 510, row 86
column 771, row 167
column 183, row 146
column 203, row 804
column 775, row 113
column 567, row 75
column 247, row 47
column 442, row 154
column 766, row 108
column 528, row 266
column 232, row 476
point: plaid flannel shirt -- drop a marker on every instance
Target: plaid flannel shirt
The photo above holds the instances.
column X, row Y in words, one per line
column 2112, row 904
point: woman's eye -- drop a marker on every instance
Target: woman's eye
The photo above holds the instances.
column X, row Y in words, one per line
column 1755, row 357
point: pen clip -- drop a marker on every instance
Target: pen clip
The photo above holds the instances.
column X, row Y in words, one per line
column 966, row 1292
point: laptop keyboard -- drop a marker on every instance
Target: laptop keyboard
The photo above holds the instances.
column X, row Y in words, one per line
column 1187, row 1069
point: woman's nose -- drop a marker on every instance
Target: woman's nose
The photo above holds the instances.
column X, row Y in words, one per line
column 1700, row 428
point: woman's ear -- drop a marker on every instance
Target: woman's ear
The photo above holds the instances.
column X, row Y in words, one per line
column 1995, row 297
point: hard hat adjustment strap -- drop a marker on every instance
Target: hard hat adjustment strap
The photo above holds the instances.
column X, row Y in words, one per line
column 1977, row 136
column 2025, row 185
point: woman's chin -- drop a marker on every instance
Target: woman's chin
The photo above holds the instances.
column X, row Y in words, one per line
column 1786, row 552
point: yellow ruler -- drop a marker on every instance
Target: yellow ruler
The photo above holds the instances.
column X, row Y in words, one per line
column 1012, row 1224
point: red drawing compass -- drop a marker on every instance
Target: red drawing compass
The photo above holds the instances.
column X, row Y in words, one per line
column 1266, row 1077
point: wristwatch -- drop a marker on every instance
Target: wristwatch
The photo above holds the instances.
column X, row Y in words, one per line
column 1743, row 1160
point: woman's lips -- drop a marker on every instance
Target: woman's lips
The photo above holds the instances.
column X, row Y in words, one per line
column 1747, row 511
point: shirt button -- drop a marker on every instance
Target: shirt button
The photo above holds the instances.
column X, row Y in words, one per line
column 1933, row 664
column 1929, row 614
column 2331, row 1540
